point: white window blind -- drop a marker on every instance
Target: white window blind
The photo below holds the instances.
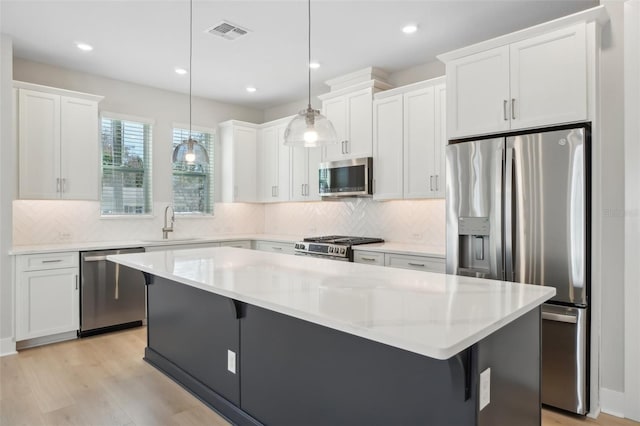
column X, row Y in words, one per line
column 193, row 183
column 126, row 167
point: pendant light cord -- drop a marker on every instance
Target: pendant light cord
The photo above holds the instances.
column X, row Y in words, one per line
column 309, row 49
column 190, row 60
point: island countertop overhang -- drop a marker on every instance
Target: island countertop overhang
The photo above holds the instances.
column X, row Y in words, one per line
column 434, row 315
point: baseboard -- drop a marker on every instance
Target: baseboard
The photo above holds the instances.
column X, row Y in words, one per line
column 7, row 346
column 612, row 402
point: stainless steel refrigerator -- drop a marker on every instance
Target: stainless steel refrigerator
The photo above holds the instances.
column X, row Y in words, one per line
column 518, row 210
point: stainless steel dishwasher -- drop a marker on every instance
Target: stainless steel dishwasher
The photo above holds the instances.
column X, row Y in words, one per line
column 112, row 296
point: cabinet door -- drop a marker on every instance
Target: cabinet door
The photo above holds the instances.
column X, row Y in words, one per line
column 244, row 161
column 282, row 172
column 80, row 161
column 478, row 87
column 39, row 145
column 359, row 124
column 419, row 140
column 418, row 263
column 336, row 111
column 388, row 152
column 46, row 302
column 267, row 164
column 275, row 247
column 313, row 187
column 549, row 78
column 299, row 173
column 440, row 141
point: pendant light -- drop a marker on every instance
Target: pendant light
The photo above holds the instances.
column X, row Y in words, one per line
column 309, row 128
column 190, row 151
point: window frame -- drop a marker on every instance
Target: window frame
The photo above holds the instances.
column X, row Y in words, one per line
column 212, row 169
column 148, row 160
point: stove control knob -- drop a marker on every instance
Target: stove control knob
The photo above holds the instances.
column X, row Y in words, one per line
column 343, row 250
column 331, row 249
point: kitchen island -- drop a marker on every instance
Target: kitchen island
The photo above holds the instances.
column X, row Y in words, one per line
column 265, row 338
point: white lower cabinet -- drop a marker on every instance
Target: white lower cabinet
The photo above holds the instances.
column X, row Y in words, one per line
column 47, row 294
column 368, row 257
column 418, row 263
column 275, row 247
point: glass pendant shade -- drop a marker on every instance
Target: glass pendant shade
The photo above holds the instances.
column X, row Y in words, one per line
column 191, row 152
column 310, row 129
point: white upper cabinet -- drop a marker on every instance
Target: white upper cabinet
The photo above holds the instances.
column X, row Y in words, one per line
column 304, row 174
column 351, row 116
column 409, row 140
column 549, row 78
column 239, row 145
column 58, row 139
column 536, row 81
column 478, row 93
column 273, row 162
column 388, row 148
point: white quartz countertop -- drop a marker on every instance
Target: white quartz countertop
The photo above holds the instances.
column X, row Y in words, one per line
column 106, row 245
column 404, row 248
column 431, row 314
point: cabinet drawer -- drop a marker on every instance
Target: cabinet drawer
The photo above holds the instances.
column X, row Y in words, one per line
column 275, row 247
column 418, row 263
column 368, row 257
column 37, row 262
column 245, row 244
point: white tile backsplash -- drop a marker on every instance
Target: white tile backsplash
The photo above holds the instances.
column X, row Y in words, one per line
column 409, row 221
column 54, row 221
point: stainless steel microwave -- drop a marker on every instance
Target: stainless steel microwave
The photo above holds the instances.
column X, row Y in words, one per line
column 346, row 178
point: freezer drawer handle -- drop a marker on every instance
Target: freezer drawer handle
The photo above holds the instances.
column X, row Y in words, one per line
column 571, row 319
column 116, row 294
column 95, row 258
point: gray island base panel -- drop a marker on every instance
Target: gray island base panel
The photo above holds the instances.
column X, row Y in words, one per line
column 293, row 372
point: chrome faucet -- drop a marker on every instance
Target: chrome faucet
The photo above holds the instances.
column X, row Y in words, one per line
column 166, row 229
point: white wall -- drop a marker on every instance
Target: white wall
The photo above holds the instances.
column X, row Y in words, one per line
column 7, row 191
column 166, row 108
column 612, row 195
column 632, row 208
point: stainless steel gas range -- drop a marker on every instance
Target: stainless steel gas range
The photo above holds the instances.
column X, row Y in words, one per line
column 335, row 247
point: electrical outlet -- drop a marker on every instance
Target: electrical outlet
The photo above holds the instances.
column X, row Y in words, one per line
column 64, row 236
column 485, row 388
column 231, row 361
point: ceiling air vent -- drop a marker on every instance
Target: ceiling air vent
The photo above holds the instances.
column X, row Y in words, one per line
column 227, row 30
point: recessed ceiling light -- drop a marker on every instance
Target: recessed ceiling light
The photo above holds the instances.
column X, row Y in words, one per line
column 409, row 29
column 84, row 47
column 251, row 89
column 314, row 65
column 181, row 71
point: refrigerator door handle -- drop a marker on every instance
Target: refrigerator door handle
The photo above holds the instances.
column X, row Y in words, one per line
column 570, row 319
column 509, row 196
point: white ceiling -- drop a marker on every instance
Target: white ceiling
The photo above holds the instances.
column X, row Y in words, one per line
column 143, row 41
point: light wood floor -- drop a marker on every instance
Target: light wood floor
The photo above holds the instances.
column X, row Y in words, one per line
column 103, row 380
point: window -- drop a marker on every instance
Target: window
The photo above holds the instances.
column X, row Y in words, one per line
column 193, row 184
column 126, row 167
